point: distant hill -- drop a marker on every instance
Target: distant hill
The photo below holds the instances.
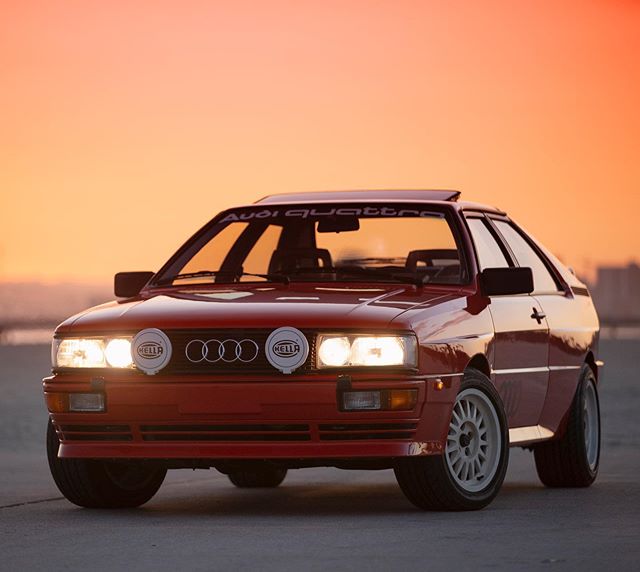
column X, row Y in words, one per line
column 27, row 304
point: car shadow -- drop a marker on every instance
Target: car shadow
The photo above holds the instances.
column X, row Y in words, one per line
column 196, row 500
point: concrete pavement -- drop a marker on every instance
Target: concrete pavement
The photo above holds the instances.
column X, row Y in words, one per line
column 319, row 518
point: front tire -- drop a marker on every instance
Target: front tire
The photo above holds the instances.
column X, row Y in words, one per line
column 470, row 473
column 573, row 460
column 102, row 484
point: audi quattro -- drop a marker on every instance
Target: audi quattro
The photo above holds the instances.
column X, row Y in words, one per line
column 402, row 330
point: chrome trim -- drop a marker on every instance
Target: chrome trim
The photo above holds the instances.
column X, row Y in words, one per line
column 536, row 369
column 513, row 370
column 439, row 375
column 222, row 351
column 458, row 338
column 531, row 433
column 520, row 370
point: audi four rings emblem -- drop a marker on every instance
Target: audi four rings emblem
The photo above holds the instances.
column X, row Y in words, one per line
column 228, row 351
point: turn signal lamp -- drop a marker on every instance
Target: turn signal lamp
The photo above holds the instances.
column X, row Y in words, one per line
column 57, row 402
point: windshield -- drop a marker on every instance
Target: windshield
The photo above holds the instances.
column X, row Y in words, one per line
column 321, row 244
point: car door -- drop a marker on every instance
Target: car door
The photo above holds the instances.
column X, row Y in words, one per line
column 572, row 323
column 521, row 345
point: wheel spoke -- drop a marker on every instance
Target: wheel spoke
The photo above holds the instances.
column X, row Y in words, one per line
column 473, row 443
column 472, row 470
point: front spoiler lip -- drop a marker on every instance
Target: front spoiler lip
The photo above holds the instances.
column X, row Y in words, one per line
column 248, row 450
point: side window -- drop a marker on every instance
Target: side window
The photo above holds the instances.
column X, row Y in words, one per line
column 526, row 256
column 487, row 249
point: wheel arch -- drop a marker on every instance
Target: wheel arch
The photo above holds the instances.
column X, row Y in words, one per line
column 481, row 363
column 590, row 360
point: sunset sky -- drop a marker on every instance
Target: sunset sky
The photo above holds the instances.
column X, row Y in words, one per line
column 125, row 126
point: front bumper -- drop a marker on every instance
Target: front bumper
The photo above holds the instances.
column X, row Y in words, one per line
column 252, row 418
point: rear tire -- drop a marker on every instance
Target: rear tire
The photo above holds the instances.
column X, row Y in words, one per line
column 573, row 460
column 470, row 473
column 264, row 477
column 102, row 484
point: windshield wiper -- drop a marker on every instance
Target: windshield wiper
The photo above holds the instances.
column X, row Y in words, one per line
column 373, row 272
column 359, row 271
column 272, row 277
column 197, row 274
column 234, row 276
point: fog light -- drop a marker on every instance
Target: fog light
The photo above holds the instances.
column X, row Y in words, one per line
column 361, row 400
column 86, row 402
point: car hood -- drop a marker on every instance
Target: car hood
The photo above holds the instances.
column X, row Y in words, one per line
column 273, row 306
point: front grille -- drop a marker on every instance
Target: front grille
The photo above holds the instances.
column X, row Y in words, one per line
column 180, row 363
column 95, row 433
column 229, row 433
column 362, row 431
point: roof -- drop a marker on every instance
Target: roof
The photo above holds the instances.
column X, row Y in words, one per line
column 359, row 195
column 443, row 197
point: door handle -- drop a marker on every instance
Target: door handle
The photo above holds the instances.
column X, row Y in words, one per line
column 538, row 316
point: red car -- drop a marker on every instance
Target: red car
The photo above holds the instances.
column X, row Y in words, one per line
column 357, row 329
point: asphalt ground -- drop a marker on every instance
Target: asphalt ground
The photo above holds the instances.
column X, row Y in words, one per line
column 319, row 519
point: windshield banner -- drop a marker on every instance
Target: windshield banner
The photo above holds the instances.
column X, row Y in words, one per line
column 329, row 212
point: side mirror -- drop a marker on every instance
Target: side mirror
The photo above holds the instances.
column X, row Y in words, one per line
column 128, row 284
column 505, row 281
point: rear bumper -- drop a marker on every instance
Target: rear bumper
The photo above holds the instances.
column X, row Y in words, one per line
column 246, row 419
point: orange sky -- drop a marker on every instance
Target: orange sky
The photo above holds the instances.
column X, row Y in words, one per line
column 124, row 126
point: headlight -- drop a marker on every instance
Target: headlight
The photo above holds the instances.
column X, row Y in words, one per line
column 335, row 350
column 118, row 353
column 92, row 352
